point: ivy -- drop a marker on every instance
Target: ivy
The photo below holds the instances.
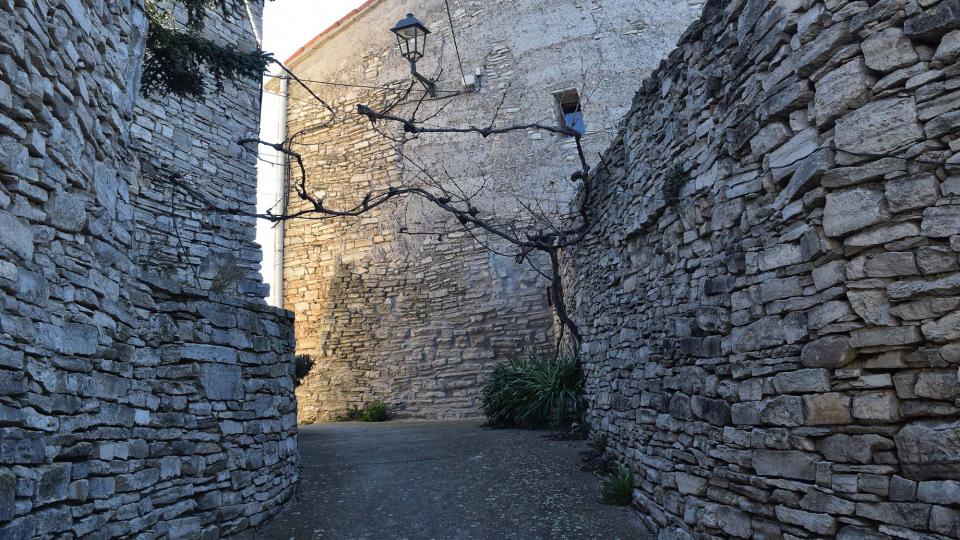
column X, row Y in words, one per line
column 178, row 62
column 673, row 183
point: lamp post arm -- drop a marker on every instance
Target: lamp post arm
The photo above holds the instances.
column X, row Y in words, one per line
column 427, row 83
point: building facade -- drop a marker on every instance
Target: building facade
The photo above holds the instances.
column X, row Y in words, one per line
column 397, row 304
column 145, row 387
column 775, row 351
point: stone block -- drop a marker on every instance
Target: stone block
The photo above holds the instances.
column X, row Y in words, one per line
column 842, row 89
column 935, row 22
column 810, row 57
column 66, row 212
column 872, row 305
column 221, row 382
column 22, row 447
column 879, row 127
column 53, row 483
column 769, row 138
column 940, row 221
column 930, row 450
column 818, row 501
column 902, row 489
column 827, row 352
column 784, row 411
column 944, row 124
column 828, row 313
column 802, row 381
column 937, row 385
column 853, row 209
column 944, row 329
column 886, row 337
column 208, row 353
column 882, row 235
column 913, row 515
column 945, row 492
column 8, row 495
column 688, row 484
column 948, row 51
column 16, row 236
column 888, row 49
column 877, row 406
column 785, row 464
column 761, row 334
column 945, row 521
column 831, row 408
column 937, row 260
column 814, row 522
column 714, row 411
column 746, row 414
column 850, row 176
column 911, row 193
column 798, row 147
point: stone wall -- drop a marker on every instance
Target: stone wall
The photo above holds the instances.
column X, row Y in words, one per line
column 419, row 319
column 776, row 353
column 130, row 404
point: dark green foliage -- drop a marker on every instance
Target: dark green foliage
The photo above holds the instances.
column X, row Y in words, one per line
column 618, row 487
column 371, row 412
column 177, row 62
column 533, row 391
column 374, row 412
column 353, row 414
column 303, row 363
column 673, row 182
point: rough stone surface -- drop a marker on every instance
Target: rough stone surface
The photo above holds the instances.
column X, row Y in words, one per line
column 420, row 321
column 879, row 127
column 106, row 429
column 839, row 361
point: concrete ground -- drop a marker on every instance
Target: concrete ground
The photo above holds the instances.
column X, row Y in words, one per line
column 446, row 479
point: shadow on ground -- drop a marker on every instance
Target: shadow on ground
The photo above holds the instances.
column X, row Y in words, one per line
column 447, row 479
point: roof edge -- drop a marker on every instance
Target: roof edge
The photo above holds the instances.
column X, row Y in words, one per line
column 332, row 29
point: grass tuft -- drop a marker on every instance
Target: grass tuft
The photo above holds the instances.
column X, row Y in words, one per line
column 618, row 487
column 533, row 391
column 371, row 412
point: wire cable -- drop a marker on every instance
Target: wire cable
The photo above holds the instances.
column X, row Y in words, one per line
column 455, row 46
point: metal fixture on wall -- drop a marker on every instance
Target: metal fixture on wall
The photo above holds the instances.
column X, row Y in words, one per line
column 412, row 40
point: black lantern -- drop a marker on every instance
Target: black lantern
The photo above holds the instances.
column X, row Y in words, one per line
column 412, row 40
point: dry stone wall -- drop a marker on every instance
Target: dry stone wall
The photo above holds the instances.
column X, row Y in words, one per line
column 131, row 405
column 775, row 350
column 418, row 320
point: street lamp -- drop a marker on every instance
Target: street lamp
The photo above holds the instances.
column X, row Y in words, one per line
column 412, row 40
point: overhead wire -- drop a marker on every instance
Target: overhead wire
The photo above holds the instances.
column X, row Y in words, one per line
column 456, row 47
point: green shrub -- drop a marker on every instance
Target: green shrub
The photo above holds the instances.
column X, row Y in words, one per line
column 533, row 391
column 303, row 363
column 673, row 183
column 371, row 412
column 353, row 414
column 374, row 412
column 618, row 487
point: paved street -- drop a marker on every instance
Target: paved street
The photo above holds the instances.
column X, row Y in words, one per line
column 449, row 479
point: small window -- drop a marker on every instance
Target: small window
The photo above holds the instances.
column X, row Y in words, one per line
column 569, row 111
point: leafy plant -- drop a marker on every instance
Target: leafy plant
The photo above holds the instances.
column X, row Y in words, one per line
column 227, row 276
column 374, row 412
column 618, row 487
column 533, row 391
column 303, row 363
column 353, row 414
column 673, row 183
column 177, row 60
column 371, row 412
